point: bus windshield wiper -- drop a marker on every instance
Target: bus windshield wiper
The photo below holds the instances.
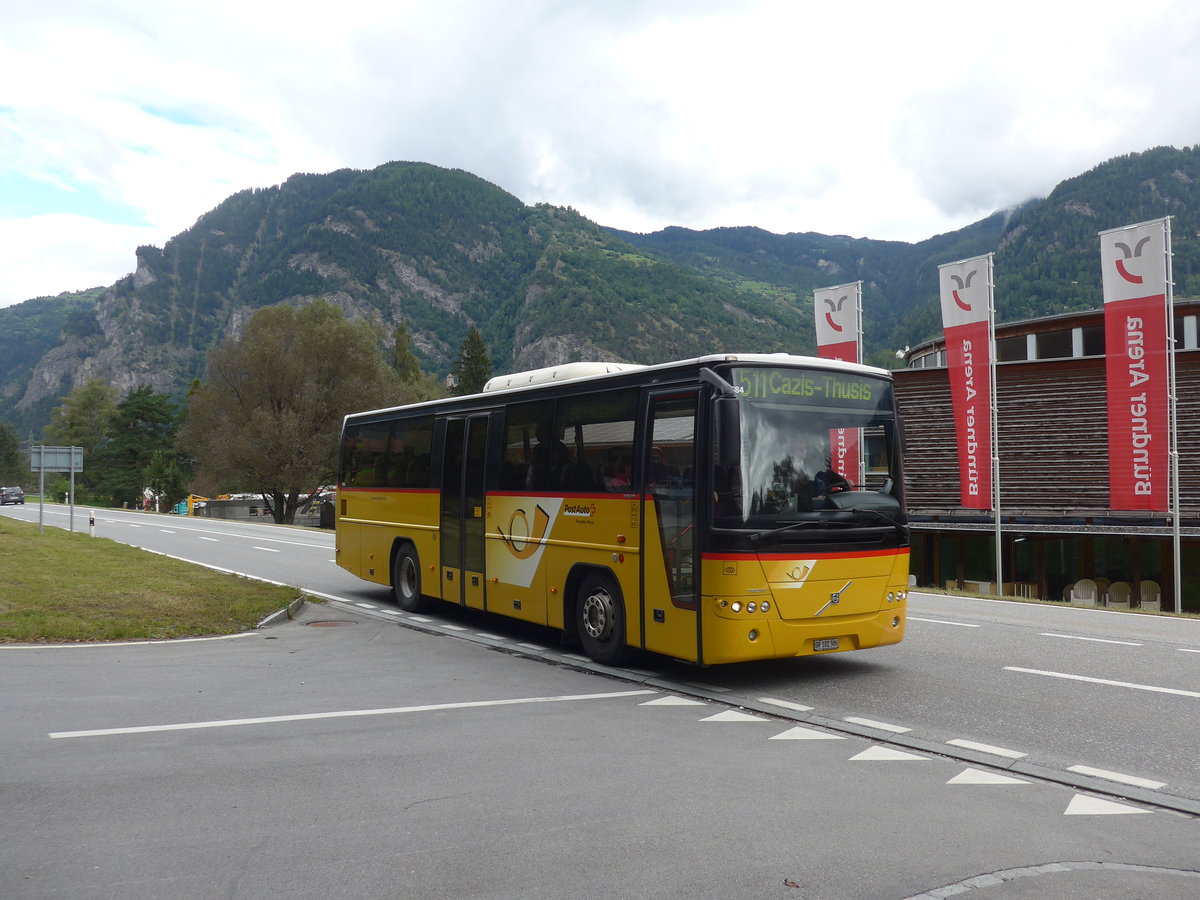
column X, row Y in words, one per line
column 899, row 526
column 804, row 523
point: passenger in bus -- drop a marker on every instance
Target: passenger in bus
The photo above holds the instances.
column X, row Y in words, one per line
column 616, row 475
column 660, row 472
column 548, row 457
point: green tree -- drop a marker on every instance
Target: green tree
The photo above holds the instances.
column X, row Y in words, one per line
column 14, row 467
column 166, row 476
column 84, row 417
column 474, row 366
column 269, row 416
column 404, row 361
column 144, row 424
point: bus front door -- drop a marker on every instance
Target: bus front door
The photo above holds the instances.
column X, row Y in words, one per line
column 462, row 517
column 669, row 560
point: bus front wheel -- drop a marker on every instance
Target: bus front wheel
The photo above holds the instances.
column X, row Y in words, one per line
column 406, row 581
column 600, row 618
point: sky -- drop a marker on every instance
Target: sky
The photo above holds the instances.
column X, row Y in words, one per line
column 123, row 121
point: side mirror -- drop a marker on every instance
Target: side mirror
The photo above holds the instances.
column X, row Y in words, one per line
column 728, row 413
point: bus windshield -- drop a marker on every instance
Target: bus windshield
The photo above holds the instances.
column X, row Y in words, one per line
column 810, row 454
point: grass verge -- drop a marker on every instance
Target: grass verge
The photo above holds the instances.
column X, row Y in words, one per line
column 61, row 586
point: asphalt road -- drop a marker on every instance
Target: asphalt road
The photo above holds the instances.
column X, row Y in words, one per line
column 361, row 751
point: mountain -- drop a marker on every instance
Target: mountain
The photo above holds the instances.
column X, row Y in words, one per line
column 443, row 250
column 1046, row 251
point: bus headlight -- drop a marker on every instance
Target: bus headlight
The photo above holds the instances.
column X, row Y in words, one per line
column 736, row 606
column 751, row 606
column 765, row 606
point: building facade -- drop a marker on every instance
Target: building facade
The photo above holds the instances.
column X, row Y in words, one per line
column 1057, row 528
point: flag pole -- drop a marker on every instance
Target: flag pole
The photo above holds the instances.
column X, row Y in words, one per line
column 994, row 423
column 1173, row 426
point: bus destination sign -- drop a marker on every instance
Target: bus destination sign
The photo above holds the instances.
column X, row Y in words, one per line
column 812, row 388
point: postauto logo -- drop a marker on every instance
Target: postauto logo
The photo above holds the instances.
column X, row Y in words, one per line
column 579, row 510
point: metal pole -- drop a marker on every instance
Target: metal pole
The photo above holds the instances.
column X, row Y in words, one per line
column 42, row 491
column 72, row 491
column 995, row 425
column 1173, row 427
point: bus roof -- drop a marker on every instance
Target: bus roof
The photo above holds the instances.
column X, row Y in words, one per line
column 580, row 372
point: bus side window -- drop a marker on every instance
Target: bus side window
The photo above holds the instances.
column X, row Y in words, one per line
column 523, row 466
column 599, row 428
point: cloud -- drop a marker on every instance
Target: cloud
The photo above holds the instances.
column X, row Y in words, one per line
column 876, row 119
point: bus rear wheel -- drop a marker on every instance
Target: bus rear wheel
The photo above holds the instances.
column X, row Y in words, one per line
column 406, row 581
column 600, row 620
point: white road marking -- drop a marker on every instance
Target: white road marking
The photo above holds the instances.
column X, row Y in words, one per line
column 799, row 733
column 214, row 540
column 195, row 640
column 943, row 622
column 343, row 714
column 1126, row 684
column 166, row 531
column 1082, row 805
column 1076, row 637
column 1187, row 650
column 882, row 726
column 673, row 700
column 979, row 776
column 786, row 704
column 1117, row 776
column 732, row 715
column 269, row 549
column 885, row 754
column 987, row 748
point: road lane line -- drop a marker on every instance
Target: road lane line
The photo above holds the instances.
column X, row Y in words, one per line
column 1076, row 637
column 1126, row 684
column 1117, row 776
column 192, row 640
column 882, row 726
column 987, row 748
column 269, row 549
column 214, row 540
column 786, row 704
column 943, row 622
column 344, row 714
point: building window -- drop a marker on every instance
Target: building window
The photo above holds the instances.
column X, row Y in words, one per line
column 1054, row 344
column 1093, row 340
column 1011, row 349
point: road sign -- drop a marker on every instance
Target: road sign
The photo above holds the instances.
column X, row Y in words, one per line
column 55, row 459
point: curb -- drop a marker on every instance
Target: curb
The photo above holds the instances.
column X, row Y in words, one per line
column 289, row 612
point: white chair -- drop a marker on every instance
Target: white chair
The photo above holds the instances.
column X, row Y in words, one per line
column 1084, row 592
column 1067, row 592
column 1150, row 596
column 1119, row 593
column 1102, row 584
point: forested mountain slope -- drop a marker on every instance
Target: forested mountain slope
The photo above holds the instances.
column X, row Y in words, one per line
column 443, row 250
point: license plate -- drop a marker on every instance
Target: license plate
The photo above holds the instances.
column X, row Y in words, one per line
column 828, row 644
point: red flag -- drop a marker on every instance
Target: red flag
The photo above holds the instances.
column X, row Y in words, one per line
column 838, row 314
column 1136, row 311
column 966, row 294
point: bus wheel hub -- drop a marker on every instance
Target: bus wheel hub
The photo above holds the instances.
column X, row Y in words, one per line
column 598, row 615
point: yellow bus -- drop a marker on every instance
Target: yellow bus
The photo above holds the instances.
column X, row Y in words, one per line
column 689, row 509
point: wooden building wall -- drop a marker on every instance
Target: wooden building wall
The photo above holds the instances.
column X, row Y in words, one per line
column 1053, row 439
